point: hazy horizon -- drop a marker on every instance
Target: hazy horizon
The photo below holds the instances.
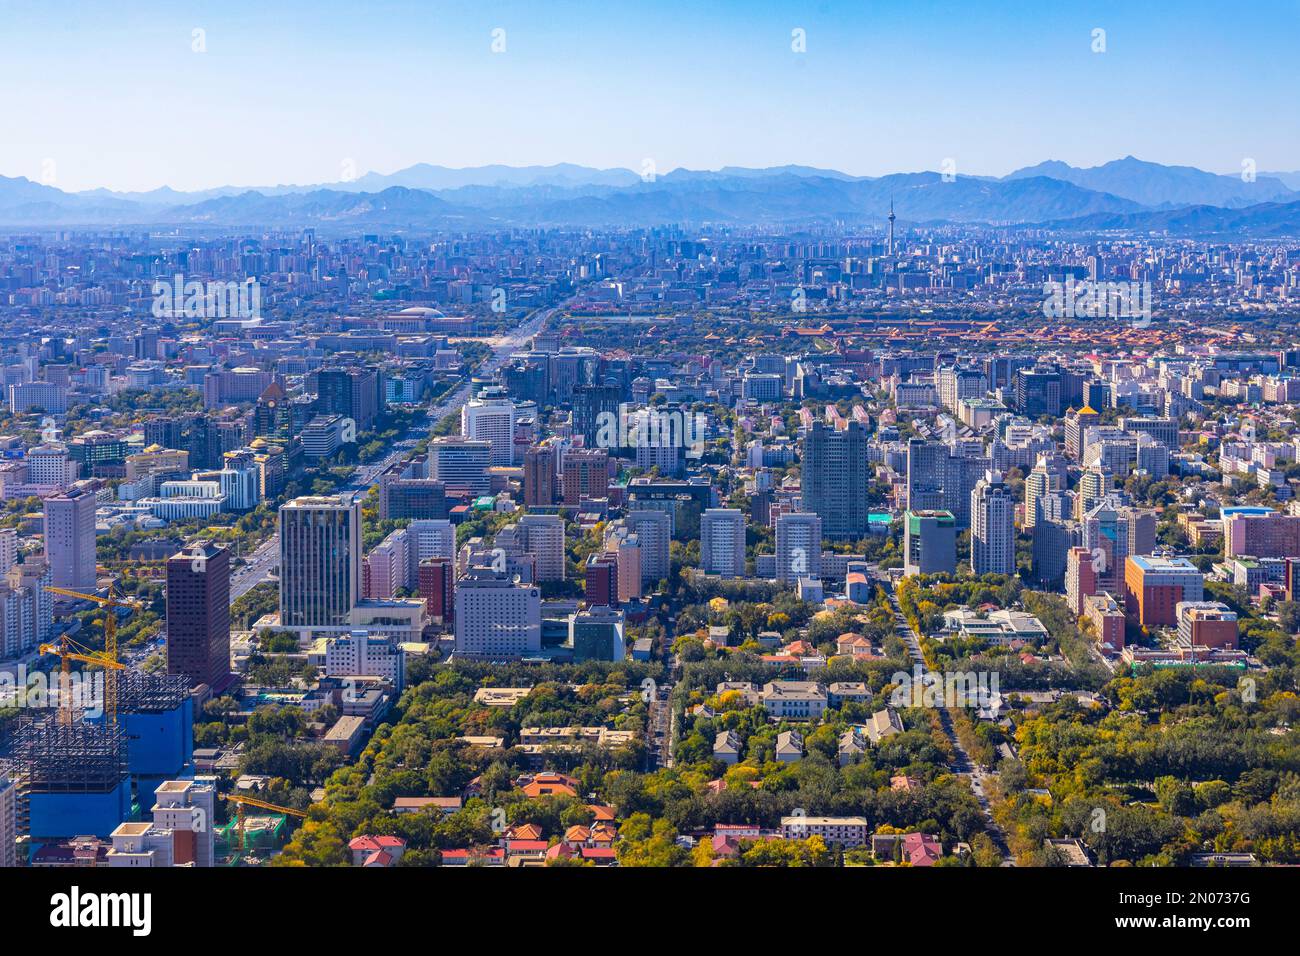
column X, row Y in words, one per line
column 133, row 100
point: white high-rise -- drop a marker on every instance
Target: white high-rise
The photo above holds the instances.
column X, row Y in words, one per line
column 70, row 537
column 993, row 531
column 798, row 546
column 496, row 616
column 461, row 463
column 654, row 531
column 722, row 542
column 543, row 538
column 491, row 417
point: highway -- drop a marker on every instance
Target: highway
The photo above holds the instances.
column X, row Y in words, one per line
column 267, row 555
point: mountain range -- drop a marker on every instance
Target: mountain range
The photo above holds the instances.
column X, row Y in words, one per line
column 1126, row 195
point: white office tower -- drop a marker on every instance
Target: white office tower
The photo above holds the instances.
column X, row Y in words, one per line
column 320, row 562
column 49, row 465
column 993, row 530
column 1043, row 479
column 543, row 538
column 491, row 417
column 461, row 464
column 70, row 537
column 654, row 531
column 722, row 542
column 496, row 616
column 798, row 546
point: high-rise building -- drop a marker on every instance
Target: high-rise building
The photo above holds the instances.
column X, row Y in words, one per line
column 940, row 478
column 1046, row 476
column 540, row 477
column 654, row 531
column 496, row 616
column 491, row 418
column 798, row 546
column 437, row 583
column 1037, row 392
column 26, row 608
column 1155, row 586
column 1111, row 532
column 722, row 542
column 461, row 463
column 320, row 561
column 835, row 476
column 543, row 538
column 586, row 475
column 956, row 382
column 8, row 549
column 198, row 614
column 1076, row 424
column 601, row 589
column 929, row 542
column 597, row 635
column 350, row 392
column 1094, row 486
column 993, row 531
column 430, row 538
column 595, row 414
column 70, row 537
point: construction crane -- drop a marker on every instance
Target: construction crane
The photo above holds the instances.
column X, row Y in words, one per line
column 111, row 602
column 69, row 650
column 242, row 801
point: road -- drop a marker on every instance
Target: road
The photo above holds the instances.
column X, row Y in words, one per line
column 962, row 763
column 266, row 557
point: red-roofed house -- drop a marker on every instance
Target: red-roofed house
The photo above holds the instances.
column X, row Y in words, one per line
column 376, row 850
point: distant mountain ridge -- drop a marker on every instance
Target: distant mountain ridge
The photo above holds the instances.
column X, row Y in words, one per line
column 1126, row 194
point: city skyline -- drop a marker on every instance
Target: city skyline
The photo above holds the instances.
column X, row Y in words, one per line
column 138, row 100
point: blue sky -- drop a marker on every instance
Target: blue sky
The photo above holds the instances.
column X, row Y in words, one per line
column 289, row 91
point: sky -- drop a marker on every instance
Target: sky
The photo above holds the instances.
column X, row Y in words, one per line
column 127, row 95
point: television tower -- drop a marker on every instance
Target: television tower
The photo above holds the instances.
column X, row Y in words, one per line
column 889, row 242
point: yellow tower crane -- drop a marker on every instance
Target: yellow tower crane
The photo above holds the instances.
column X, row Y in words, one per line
column 108, row 658
column 69, row 650
column 241, row 801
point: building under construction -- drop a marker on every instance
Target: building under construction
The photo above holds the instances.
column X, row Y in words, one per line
column 72, row 776
column 157, row 713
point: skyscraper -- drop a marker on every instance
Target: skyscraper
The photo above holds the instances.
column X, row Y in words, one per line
column 586, row 475
column 993, row 532
column 461, row 463
column 437, row 583
column 491, row 418
column 835, row 478
column 540, row 476
column 70, row 537
column 722, row 542
column 320, row 561
column 198, row 614
column 1047, row 475
column 798, row 546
